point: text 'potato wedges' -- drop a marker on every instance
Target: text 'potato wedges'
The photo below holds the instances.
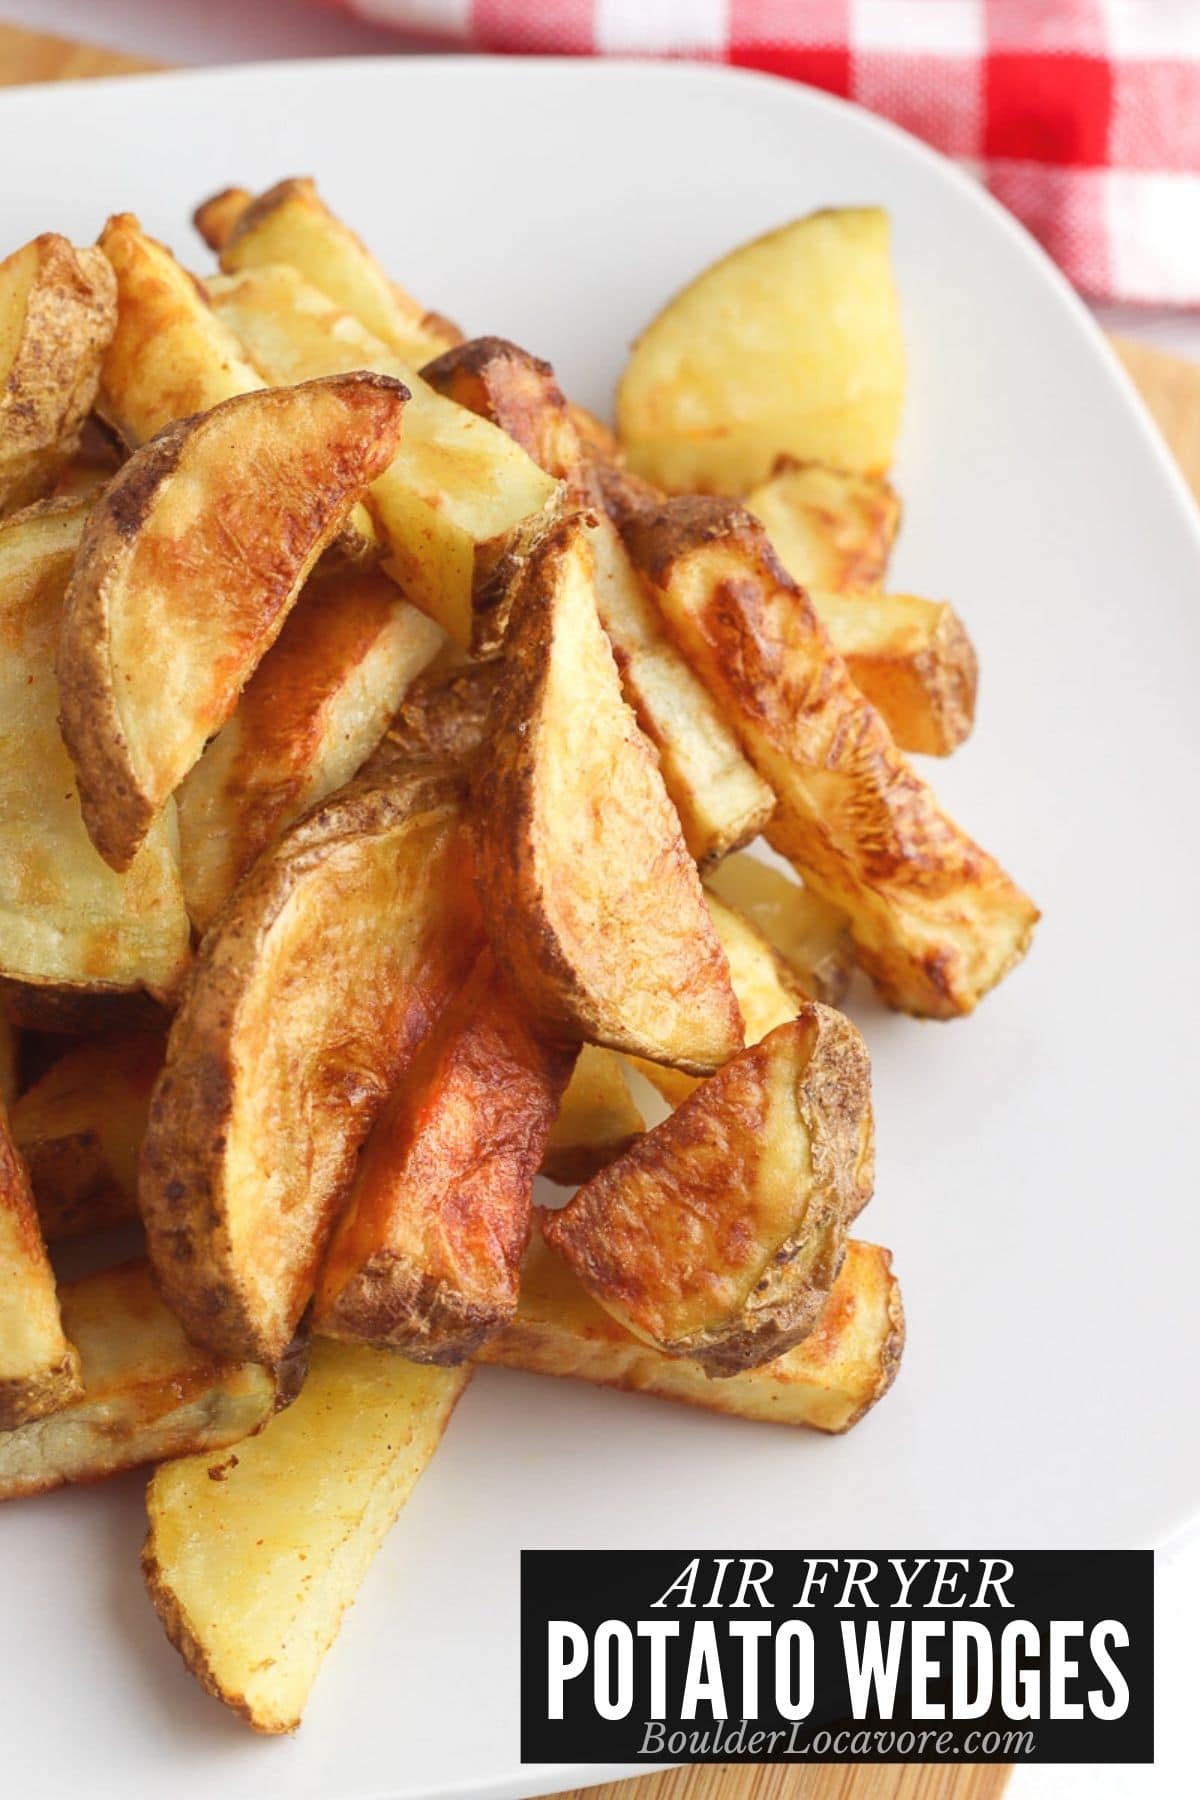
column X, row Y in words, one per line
column 147, row 1392
column 936, row 920
column 425, row 1258
column 719, row 1234
column 828, row 1381
column 188, row 567
column 292, row 1518
column 77, row 940
column 328, row 966
column 591, row 901
column 39, row 1368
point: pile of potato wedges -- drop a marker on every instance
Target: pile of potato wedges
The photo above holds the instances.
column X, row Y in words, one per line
column 381, row 738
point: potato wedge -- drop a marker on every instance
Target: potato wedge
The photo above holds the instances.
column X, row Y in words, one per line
column 291, row 224
column 426, row 1256
column 912, row 659
column 720, row 799
column 80, row 1128
column 170, row 356
column 936, row 921
column 39, row 1367
column 309, row 995
column 146, row 1392
column 767, row 990
column 597, row 1121
column 719, row 1234
column 831, row 529
column 828, row 1381
column 216, row 217
column 290, row 1520
column 791, row 345
column 313, row 711
column 809, row 934
column 459, row 500
column 57, row 312
column 591, row 901
column 188, row 568
column 444, row 717
column 76, row 939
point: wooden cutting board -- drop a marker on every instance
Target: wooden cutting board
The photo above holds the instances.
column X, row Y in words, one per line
column 1171, row 390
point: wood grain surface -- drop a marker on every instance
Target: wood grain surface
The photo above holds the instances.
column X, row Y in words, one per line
column 1171, row 390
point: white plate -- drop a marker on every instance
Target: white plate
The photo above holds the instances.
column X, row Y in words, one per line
column 1033, row 1160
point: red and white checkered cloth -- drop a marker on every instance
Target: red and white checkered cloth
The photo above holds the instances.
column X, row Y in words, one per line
column 1082, row 116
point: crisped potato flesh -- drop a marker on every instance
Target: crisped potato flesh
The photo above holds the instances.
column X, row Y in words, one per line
column 310, row 715
column 791, row 345
column 310, row 993
column 252, row 1560
column 425, row 1258
column 39, row 1368
column 912, row 659
column 57, row 312
column 719, row 1234
column 936, row 920
column 591, row 901
column 80, row 1128
column 460, row 496
column 216, row 217
column 147, row 1392
column 72, row 932
column 831, row 528
column 291, row 224
column 827, row 1381
column 597, row 1120
column 188, row 567
column 810, row 935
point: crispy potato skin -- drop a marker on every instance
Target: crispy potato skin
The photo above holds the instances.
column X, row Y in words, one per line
column 80, row 946
column 309, row 995
column 498, row 381
column 719, row 1234
column 80, row 1127
column 39, row 1367
column 591, row 901
column 294, row 1517
column 311, row 714
column 146, row 1393
column 597, row 1121
column 425, row 1258
column 444, row 717
column 171, row 604
column 936, row 920
column 827, row 1382
column 57, row 311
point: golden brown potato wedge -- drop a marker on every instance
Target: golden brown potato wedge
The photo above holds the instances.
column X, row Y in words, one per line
column 461, row 498
column 334, row 956
column 720, row 799
column 80, row 1128
column 444, row 717
column 767, row 991
column 39, row 1367
column 597, row 1121
column 147, row 1392
column 170, row 356
column 811, row 936
column 216, row 217
column 912, row 659
column 831, row 529
column 188, row 567
column 719, row 1234
column 828, row 1381
column 293, row 1518
column 936, row 921
column 313, row 711
column 590, row 898
column 57, row 312
column 790, row 345
column 291, row 224
column 426, row 1256
column 76, row 939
